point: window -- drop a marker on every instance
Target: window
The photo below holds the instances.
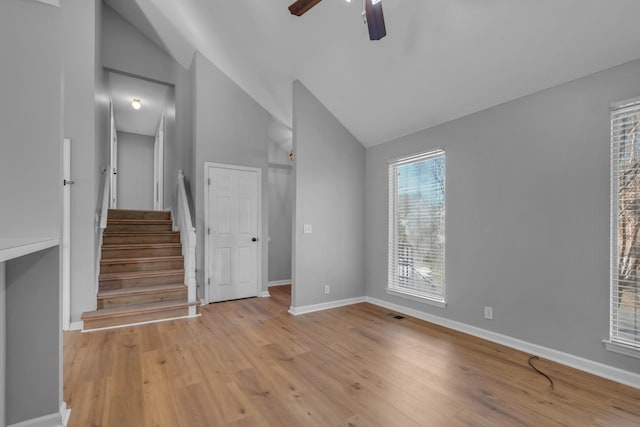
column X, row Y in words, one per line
column 416, row 227
column 625, row 228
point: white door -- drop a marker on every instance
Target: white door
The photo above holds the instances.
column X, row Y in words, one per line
column 66, row 234
column 113, row 184
column 232, row 203
column 158, row 168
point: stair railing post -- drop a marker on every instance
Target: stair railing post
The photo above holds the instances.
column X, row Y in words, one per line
column 188, row 239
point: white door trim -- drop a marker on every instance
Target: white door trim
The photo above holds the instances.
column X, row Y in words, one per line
column 158, row 168
column 66, row 234
column 113, row 160
column 207, row 249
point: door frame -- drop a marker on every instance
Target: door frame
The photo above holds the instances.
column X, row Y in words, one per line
column 66, row 234
column 113, row 160
column 207, row 249
column 158, row 167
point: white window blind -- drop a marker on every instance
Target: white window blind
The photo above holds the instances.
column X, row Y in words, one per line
column 417, row 226
column 625, row 224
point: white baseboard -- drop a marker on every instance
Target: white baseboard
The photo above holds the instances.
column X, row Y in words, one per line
column 65, row 413
column 76, row 326
column 595, row 368
column 55, row 3
column 59, row 419
column 296, row 311
column 264, row 294
column 279, row 283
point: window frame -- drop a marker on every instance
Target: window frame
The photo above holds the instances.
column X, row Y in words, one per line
column 392, row 272
column 614, row 343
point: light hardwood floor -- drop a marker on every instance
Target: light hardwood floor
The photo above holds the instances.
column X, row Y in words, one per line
column 250, row 363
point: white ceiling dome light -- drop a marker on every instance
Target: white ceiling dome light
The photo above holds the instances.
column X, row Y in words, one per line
column 136, row 103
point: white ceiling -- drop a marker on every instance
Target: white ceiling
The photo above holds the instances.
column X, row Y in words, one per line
column 155, row 99
column 441, row 59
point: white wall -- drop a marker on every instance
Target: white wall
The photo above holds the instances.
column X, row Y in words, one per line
column 329, row 195
column 135, row 171
column 229, row 127
column 527, row 203
column 30, row 119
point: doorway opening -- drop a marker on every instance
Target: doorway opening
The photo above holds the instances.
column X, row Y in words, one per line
column 280, row 213
column 139, row 108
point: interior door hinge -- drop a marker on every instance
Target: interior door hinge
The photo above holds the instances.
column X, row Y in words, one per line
column 208, row 231
column 209, row 181
column 209, row 281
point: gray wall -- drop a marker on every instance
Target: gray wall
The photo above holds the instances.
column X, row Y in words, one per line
column 229, row 127
column 33, row 336
column 102, row 124
column 82, row 82
column 3, row 343
column 30, row 143
column 178, row 147
column 527, row 203
column 280, row 188
column 135, row 171
column 127, row 50
column 103, row 119
column 30, row 119
column 329, row 194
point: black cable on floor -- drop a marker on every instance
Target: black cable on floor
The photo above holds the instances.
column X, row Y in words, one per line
column 539, row 371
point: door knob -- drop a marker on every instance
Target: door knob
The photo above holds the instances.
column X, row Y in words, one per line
column 255, row 239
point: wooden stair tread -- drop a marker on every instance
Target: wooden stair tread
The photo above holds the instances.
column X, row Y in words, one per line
column 140, row 290
column 138, row 221
column 139, row 274
column 135, row 211
column 134, row 309
column 116, row 246
column 140, row 232
column 140, row 260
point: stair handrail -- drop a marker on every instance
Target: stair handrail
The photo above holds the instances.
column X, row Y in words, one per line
column 104, row 208
column 102, row 222
column 188, row 239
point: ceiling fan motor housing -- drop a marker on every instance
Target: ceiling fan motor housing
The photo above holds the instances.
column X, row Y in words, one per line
column 372, row 11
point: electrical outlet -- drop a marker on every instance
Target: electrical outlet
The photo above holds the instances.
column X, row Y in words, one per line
column 488, row 312
column 327, row 289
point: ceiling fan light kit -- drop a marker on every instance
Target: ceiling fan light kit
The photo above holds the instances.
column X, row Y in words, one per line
column 372, row 13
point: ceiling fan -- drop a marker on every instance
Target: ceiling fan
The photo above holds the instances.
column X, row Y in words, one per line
column 372, row 14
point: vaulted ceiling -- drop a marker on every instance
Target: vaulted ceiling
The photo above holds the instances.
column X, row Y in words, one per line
column 441, row 59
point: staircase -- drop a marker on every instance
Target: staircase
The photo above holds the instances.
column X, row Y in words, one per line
column 141, row 271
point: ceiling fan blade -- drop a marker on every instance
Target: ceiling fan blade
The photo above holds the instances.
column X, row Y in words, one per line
column 375, row 20
column 300, row 7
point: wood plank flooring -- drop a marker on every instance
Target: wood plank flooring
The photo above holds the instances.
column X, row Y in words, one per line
column 250, row 363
